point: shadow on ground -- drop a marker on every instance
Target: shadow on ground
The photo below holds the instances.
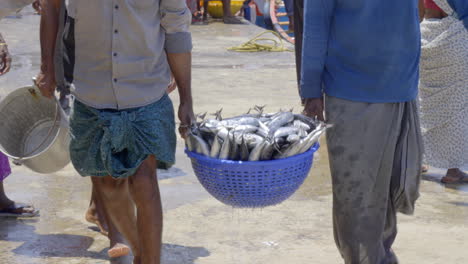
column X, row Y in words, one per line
column 176, row 254
column 34, row 245
column 44, row 246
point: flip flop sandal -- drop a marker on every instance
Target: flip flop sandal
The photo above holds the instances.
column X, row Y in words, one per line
column 16, row 210
column 458, row 180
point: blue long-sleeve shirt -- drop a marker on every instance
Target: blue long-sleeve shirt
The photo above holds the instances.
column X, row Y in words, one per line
column 460, row 8
column 361, row 50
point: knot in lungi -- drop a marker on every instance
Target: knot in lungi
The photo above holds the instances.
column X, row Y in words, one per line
column 119, row 129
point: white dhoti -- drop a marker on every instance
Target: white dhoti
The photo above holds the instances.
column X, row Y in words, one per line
column 444, row 91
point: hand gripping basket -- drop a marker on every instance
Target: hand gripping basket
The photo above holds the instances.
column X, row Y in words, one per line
column 252, row 184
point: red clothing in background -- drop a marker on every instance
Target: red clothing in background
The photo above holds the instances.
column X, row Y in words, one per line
column 429, row 4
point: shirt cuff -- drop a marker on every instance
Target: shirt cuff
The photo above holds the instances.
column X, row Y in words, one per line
column 180, row 42
column 311, row 89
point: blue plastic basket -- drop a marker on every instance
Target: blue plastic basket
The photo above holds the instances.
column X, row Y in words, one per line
column 252, row 184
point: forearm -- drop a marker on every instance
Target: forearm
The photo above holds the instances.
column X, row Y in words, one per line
column 2, row 40
column 181, row 67
column 48, row 34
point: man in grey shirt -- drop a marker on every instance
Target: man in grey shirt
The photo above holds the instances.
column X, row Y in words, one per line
column 121, row 54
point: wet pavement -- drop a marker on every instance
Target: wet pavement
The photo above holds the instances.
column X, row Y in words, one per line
column 198, row 229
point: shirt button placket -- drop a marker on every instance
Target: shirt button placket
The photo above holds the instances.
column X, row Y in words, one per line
column 114, row 49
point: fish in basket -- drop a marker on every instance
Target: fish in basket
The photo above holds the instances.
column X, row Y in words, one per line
column 256, row 159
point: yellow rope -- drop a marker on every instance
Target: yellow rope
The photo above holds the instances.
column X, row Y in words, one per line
column 258, row 44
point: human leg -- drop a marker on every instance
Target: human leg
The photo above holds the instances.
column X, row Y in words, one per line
column 120, row 210
column 228, row 16
column 144, row 191
column 361, row 148
column 95, row 213
column 7, row 206
column 205, row 10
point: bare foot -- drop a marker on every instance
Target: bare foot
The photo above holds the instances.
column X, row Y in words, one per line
column 424, row 168
column 232, row 20
column 17, row 210
column 118, row 250
column 91, row 217
column 455, row 176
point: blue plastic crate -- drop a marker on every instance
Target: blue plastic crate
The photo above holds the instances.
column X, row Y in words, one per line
column 252, row 184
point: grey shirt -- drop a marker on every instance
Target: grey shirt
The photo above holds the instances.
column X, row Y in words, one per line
column 120, row 49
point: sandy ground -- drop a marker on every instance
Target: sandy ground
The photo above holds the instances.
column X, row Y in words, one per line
column 198, row 229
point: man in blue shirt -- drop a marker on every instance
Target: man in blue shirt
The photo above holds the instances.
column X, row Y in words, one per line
column 362, row 57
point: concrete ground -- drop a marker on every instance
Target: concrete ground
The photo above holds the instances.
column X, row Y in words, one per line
column 198, row 229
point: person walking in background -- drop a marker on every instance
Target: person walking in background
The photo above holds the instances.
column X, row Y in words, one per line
column 444, row 88
column 362, row 58
column 122, row 123
column 8, row 207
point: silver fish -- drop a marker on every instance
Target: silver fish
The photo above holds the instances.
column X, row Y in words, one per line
column 252, row 140
column 216, row 147
column 283, row 152
column 312, row 138
column 263, row 133
column 285, row 131
column 292, row 150
column 312, row 122
column 293, row 138
column 257, row 151
column 190, row 142
column 302, row 133
column 280, row 120
column 244, row 151
column 223, row 133
column 252, row 121
column 301, row 125
column 261, row 125
column 246, row 129
column 267, row 151
column 225, row 148
column 201, row 146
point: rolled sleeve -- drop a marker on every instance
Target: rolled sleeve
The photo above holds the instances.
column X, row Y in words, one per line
column 175, row 20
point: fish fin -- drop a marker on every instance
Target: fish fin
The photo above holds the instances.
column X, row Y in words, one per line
column 217, row 114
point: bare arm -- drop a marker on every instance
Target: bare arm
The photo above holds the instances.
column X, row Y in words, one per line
column 48, row 36
column 175, row 20
column 422, row 10
column 181, row 67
